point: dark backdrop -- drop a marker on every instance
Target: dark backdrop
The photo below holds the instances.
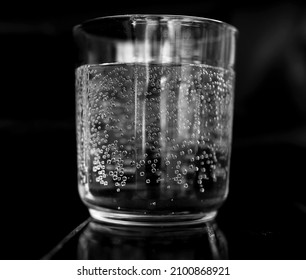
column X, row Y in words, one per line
column 39, row 199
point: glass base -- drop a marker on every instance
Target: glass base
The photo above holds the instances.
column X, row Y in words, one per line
column 132, row 219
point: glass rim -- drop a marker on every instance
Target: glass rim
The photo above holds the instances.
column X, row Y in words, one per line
column 144, row 17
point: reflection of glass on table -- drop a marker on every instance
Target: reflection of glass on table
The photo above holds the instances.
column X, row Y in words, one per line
column 94, row 240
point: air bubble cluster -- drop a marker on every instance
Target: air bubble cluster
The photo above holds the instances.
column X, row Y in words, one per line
column 157, row 131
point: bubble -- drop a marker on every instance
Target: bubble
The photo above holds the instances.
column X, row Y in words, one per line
column 148, row 181
column 142, row 173
column 167, row 162
column 185, row 185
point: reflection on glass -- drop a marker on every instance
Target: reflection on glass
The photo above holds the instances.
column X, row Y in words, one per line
column 104, row 241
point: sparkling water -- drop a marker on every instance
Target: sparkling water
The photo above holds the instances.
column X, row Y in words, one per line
column 154, row 138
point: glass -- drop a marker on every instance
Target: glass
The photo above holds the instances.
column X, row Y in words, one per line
column 154, row 97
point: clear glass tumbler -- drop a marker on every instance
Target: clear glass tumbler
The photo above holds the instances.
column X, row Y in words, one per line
column 154, row 97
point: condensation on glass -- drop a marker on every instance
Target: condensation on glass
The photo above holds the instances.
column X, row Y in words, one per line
column 154, row 97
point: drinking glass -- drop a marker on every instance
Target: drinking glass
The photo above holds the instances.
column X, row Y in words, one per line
column 154, row 98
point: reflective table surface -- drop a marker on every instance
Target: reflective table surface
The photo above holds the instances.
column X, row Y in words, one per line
column 277, row 239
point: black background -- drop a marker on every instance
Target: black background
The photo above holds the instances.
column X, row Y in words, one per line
column 38, row 183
